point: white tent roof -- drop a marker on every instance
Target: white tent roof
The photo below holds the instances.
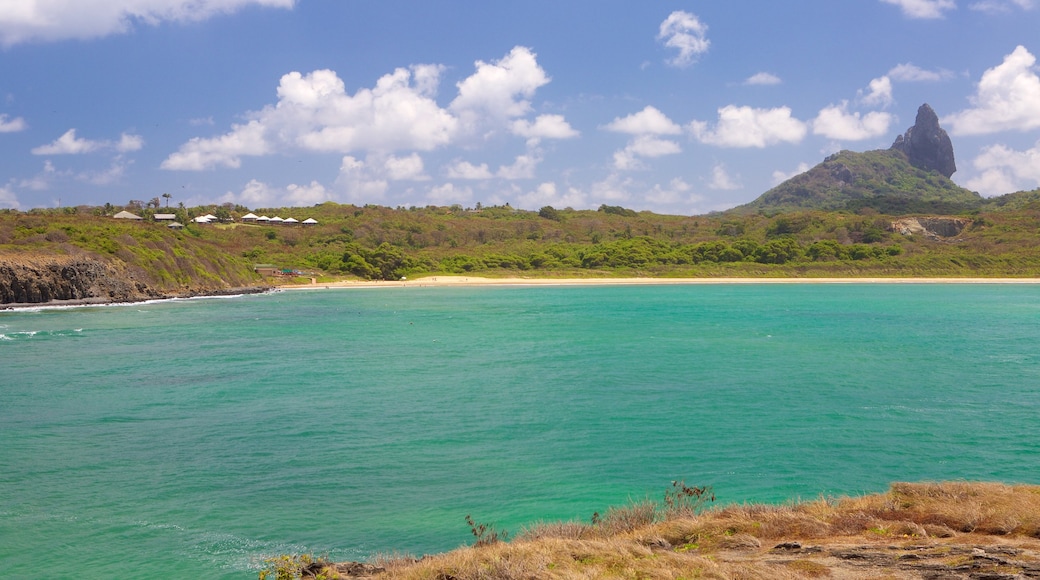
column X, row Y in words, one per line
column 202, row 219
column 249, row 216
column 277, row 219
column 263, row 218
column 309, row 221
column 291, row 221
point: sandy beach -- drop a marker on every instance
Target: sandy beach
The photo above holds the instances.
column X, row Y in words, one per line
column 431, row 281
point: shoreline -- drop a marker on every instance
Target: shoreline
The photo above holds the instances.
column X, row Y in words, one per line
column 455, row 281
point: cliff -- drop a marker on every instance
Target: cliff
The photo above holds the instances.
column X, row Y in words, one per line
column 35, row 279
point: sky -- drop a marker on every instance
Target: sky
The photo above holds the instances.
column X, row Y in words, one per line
column 676, row 107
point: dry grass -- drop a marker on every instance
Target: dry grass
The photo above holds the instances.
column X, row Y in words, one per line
column 641, row 540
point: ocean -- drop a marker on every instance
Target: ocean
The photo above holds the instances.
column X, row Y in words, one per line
column 194, row 438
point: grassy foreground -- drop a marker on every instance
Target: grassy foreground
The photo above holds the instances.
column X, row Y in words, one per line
column 915, row 530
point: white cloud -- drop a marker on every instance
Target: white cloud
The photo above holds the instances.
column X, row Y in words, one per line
column 685, row 32
column 254, row 194
column 315, row 113
column 522, row 168
column 41, row 181
column 68, row 144
column 649, row 121
column 722, row 180
column 359, row 181
column 303, row 195
column 836, row 122
column 1007, row 99
column 128, row 143
column 1002, row 6
column 628, row 158
column 763, row 78
column 750, row 127
column 12, row 126
column 466, row 170
column 448, row 194
column 8, row 199
column 675, row 194
column 780, row 176
column 408, row 168
column 1004, row 170
column 114, row 173
column 908, row 72
column 226, row 150
column 879, row 93
column 923, row 8
column 499, row 90
column 548, row 194
column 53, row 20
column 544, row 127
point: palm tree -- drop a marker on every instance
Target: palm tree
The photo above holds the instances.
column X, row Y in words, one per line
column 167, row 196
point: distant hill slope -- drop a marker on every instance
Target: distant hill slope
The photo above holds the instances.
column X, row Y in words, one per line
column 883, row 180
column 912, row 176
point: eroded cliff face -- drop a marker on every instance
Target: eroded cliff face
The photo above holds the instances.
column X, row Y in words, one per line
column 39, row 279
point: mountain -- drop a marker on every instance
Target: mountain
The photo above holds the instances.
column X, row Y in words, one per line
column 913, row 176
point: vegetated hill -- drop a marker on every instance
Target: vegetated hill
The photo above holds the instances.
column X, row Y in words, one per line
column 68, row 256
column 1014, row 201
column 146, row 259
column 948, row 530
column 882, row 180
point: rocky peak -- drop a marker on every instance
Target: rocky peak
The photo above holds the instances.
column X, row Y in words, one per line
column 927, row 144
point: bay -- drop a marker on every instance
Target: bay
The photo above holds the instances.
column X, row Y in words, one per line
column 194, row 438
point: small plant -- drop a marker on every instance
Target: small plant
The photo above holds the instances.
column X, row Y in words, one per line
column 684, row 501
column 486, row 534
column 291, row 567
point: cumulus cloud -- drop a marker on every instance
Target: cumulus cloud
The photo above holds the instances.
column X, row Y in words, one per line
column 303, row 195
column 449, row 194
column 53, row 20
column 878, row 93
column 8, row 199
column 1007, row 98
column 522, row 168
column 544, row 127
column 466, row 170
column 923, row 8
column 549, row 194
column 314, row 112
column 226, row 150
column 69, row 144
column 750, row 127
column 408, row 168
column 908, row 72
column 836, row 122
column 685, row 32
column 114, row 173
column 1002, row 6
column 649, row 121
column 782, row 176
column 643, row 146
column 1005, row 170
column 13, row 125
column 499, row 90
column 721, row 179
column 763, row 78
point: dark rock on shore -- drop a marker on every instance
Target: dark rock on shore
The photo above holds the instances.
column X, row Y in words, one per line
column 27, row 280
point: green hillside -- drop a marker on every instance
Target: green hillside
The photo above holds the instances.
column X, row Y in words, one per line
column 882, row 180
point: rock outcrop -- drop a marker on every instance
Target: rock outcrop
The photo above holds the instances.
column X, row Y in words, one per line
column 931, row 227
column 927, row 145
column 29, row 280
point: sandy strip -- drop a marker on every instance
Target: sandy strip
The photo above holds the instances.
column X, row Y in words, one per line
column 479, row 281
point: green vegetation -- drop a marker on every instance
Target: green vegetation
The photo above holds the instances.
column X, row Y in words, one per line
column 380, row 243
column 948, row 530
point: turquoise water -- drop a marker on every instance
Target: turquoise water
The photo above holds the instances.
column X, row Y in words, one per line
column 189, row 439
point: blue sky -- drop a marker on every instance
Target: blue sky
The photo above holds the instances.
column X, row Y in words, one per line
column 675, row 107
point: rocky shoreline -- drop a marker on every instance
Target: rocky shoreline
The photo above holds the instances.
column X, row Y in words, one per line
column 57, row 280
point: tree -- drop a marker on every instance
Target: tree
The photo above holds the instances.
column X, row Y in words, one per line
column 549, row 212
column 167, row 196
